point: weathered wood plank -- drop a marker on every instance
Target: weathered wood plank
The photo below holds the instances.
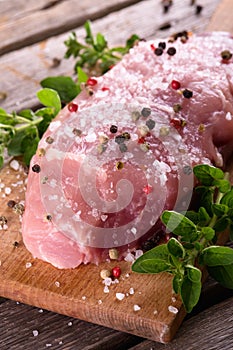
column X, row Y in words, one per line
column 223, row 17
column 20, row 322
column 145, row 19
column 211, row 329
column 33, row 22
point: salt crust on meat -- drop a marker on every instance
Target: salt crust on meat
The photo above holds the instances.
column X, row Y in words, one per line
column 140, row 79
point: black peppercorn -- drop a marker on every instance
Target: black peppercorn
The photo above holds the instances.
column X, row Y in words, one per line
column 113, row 129
column 171, row 51
column 158, row 51
column 187, row 93
column 146, row 112
column 162, row 44
column 36, row 168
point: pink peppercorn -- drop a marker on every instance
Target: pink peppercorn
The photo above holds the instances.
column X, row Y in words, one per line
column 91, row 82
column 116, row 272
column 72, row 107
column 175, row 85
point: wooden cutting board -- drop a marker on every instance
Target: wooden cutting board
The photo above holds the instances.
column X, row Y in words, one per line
column 80, row 292
column 149, row 307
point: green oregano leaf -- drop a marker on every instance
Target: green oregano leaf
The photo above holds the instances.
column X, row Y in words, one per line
column 193, row 273
column 223, row 185
column 204, row 217
column 227, row 199
column 176, row 283
column 175, row 248
column 154, row 266
column 159, row 253
column 216, row 255
column 178, row 223
column 206, row 174
column 190, row 293
column 208, row 233
column 65, row 87
column 219, row 209
column 221, row 224
column 222, row 274
column 50, row 98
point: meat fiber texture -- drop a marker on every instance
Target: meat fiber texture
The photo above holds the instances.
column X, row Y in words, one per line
column 102, row 187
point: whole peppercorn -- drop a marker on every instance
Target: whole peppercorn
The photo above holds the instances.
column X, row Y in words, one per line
column 105, row 274
column 146, row 112
column 187, row 93
column 36, row 168
column 158, row 51
column 226, row 55
column 11, row 204
column 113, row 253
column 175, row 85
column 116, row 272
column 91, row 82
column 162, row 44
column 171, row 51
column 72, row 107
column 113, row 129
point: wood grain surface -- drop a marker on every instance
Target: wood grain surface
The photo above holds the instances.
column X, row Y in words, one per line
column 80, row 292
column 28, row 66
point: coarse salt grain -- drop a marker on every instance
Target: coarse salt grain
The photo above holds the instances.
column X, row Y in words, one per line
column 107, row 281
column 57, row 284
column 48, row 345
column 129, row 257
column 35, row 333
column 100, row 302
column 131, row 291
column 106, row 289
column 136, row 307
column 120, row 296
column 138, row 253
column 70, row 324
column 84, row 297
column 41, row 311
column 14, row 164
column 228, row 116
column 172, row 309
column 7, row 190
column 28, row 265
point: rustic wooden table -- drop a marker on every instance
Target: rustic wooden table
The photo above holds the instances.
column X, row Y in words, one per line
column 31, row 37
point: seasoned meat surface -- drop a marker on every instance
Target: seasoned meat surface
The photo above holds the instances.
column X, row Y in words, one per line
column 123, row 150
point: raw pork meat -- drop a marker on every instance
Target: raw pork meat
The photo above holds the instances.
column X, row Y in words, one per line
column 104, row 173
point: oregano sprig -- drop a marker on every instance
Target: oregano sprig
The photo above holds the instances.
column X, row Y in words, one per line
column 195, row 234
column 95, row 52
column 20, row 133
